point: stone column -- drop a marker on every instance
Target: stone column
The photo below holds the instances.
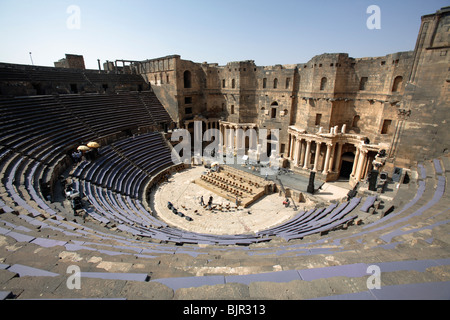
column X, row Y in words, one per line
column 252, row 139
column 237, row 136
column 231, row 139
column 222, row 133
column 308, row 155
column 361, row 163
column 296, row 149
column 299, row 151
column 327, row 159
column 291, row 147
column 302, row 154
column 355, row 163
column 332, row 156
column 207, row 135
column 316, row 159
column 337, row 162
column 366, row 165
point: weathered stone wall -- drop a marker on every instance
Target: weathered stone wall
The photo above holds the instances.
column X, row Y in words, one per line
column 72, row 61
column 162, row 75
column 400, row 99
column 317, row 84
column 368, row 100
column 75, row 61
column 23, row 80
column 275, row 98
column 425, row 133
column 190, row 86
column 214, row 99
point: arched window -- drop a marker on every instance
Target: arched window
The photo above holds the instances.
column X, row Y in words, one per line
column 233, row 83
column 223, row 83
column 273, row 111
column 323, row 83
column 275, row 83
column 264, row 83
column 397, row 84
column 187, row 79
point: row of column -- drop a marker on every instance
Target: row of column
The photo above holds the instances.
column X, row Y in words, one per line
column 360, row 165
column 211, row 125
column 236, row 138
column 300, row 153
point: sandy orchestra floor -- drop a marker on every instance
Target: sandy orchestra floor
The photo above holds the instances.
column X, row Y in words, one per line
column 267, row 212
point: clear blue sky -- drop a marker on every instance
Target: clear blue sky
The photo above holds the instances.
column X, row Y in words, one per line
column 217, row 31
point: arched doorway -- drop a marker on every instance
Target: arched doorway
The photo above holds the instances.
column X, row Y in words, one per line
column 272, row 143
column 187, row 79
column 398, row 81
column 348, row 159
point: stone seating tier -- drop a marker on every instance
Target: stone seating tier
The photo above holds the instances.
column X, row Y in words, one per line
column 400, row 271
column 39, row 240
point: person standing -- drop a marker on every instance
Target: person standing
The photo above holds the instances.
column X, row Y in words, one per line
column 210, row 202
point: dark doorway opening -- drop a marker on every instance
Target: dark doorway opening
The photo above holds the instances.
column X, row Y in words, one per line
column 269, row 149
column 38, row 88
column 348, row 159
column 74, row 88
column 272, row 144
column 346, row 169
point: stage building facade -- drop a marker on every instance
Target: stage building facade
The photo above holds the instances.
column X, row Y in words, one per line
column 337, row 116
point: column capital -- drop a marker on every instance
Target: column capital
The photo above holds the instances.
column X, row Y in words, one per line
column 365, row 151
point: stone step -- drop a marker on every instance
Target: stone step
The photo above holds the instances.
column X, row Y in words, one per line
column 111, row 257
column 445, row 160
column 295, row 284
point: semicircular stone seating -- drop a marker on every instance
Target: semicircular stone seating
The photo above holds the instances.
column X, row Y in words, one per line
column 124, row 252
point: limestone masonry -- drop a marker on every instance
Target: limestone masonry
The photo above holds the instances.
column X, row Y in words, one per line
column 335, row 113
column 96, row 202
